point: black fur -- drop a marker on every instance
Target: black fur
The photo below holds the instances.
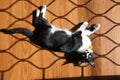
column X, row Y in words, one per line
column 59, row 41
column 92, row 28
column 78, row 58
column 23, row 31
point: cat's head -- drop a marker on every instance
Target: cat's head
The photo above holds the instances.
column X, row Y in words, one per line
column 78, row 58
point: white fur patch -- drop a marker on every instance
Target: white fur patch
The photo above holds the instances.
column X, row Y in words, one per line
column 43, row 11
column 82, row 27
column 38, row 13
column 69, row 33
column 86, row 42
column 88, row 55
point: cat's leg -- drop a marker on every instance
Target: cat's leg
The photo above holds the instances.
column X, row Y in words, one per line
column 41, row 11
column 92, row 29
column 39, row 20
column 82, row 27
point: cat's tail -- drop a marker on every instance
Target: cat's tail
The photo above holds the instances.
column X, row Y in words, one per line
column 24, row 31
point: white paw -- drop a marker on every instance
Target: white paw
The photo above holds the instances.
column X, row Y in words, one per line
column 37, row 13
column 43, row 10
column 97, row 26
column 85, row 23
column 83, row 26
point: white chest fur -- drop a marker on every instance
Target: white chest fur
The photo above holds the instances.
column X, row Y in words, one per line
column 86, row 43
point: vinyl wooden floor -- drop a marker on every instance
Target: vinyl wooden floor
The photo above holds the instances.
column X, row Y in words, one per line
column 22, row 60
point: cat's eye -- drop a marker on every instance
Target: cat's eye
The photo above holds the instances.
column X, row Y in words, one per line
column 89, row 56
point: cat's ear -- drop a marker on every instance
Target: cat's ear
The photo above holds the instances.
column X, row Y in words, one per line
column 82, row 27
column 92, row 63
column 92, row 29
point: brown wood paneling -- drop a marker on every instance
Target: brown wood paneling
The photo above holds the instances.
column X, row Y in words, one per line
column 21, row 60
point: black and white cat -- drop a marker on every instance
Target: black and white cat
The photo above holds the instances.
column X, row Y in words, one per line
column 57, row 39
